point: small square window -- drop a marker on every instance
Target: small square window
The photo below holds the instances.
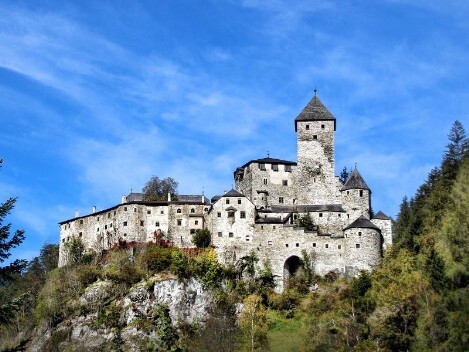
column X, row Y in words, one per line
column 80, row 234
column 269, row 243
column 286, row 245
column 323, row 126
column 227, row 201
column 81, row 222
column 220, row 234
column 280, row 200
column 297, row 244
column 275, row 167
column 320, row 215
column 231, row 214
column 239, row 200
column 148, row 211
column 230, row 234
column 125, row 223
column 327, row 245
column 361, row 193
column 262, row 166
column 273, row 227
column 178, row 211
column 285, row 182
column 157, row 224
column 359, row 233
column 307, row 127
column 288, row 168
column 125, row 208
column 339, row 247
column 357, row 245
column 315, row 136
column 314, row 244
column 196, row 222
column 162, row 212
column 219, row 214
column 192, row 231
column 141, row 222
column 179, row 222
column 242, row 215
column 192, row 210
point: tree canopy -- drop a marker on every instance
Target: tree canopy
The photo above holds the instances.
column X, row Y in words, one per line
column 157, row 189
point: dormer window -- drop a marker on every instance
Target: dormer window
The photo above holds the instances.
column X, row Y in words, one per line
column 288, row 168
column 275, row 167
column 262, row 166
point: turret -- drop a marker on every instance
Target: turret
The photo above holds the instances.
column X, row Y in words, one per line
column 384, row 222
column 356, row 196
column 362, row 246
column 315, row 127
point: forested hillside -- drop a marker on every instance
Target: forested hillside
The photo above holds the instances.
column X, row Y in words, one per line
column 416, row 300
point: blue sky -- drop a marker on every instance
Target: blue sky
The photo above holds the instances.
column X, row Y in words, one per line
column 98, row 96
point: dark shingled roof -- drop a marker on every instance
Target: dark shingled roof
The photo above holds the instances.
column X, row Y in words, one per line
column 233, row 193
column 355, row 181
column 381, row 216
column 190, row 198
column 362, row 223
column 306, row 208
column 135, row 197
column 315, row 111
column 268, row 161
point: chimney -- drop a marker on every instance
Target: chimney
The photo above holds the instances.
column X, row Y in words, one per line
column 124, row 200
column 77, row 213
column 203, row 199
column 94, row 209
column 169, row 196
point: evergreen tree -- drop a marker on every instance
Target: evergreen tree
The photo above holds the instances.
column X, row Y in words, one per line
column 344, row 175
column 9, row 272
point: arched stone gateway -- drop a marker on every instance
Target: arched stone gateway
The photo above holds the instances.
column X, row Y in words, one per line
column 291, row 267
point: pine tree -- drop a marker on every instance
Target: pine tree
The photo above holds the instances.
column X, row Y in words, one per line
column 9, row 272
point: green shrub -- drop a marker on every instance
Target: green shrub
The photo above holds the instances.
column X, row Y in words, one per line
column 156, row 258
column 87, row 274
column 121, row 269
column 202, row 238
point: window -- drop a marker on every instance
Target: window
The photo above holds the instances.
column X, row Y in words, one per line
column 273, row 227
column 265, row 181
column 109, row 215
column 125, row 208
column 148, row 211
column 315, row 136
column 97, row 219
column 192, row 210
column 323, row 126
column 196, row 222
column 307, row 127
column 230, row 234
column 135, row 210
column 157, row 224
column 125, row 235
column 105, row 227
column 179, row 222
column 359, row 233
column 314, row 244
column 280, row 200
column 348, row 192
column 339, row 246
column 247, row 238
column 327, row 245
column 219, row 214
column 285, row 182
column 297, row 244
column 114, row 213
column 262, row 166
column 227, row 201
column 220, row 234
column 262, row 227
column 81, row 222
column 192, row 231
column 141, row 222
column 97, row 230
column 178, row 211
column 110, row 225
column 357, row 245
column 269, row 243
column 80, row 234
column 361, row 193
column 320, row 215
column 162, row 212
column 288, row 168
column 231, row 214
column 239, row 200
column 242, row 215
column 275, row 167
column 286, row 245
column 339, row 215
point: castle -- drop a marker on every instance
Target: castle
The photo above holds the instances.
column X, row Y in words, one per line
column 261, row 214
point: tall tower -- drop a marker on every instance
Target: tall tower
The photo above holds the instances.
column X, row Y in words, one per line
column 315, row 127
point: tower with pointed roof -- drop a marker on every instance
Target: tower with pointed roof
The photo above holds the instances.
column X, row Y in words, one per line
column 316, row 182
column 356, row 196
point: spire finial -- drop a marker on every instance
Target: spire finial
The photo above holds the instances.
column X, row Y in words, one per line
column 131, row 190
column 268, row 154
column 355, row 166
column 315, row 90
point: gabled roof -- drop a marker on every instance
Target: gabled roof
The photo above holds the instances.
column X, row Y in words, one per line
column 355, row 181
column 307, row 208
column 315, row 111
column 381, row 216
column 268, row 161
column 233, row 193
column 362, row 223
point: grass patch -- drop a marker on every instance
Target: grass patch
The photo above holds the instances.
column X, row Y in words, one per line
column 284, row 333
